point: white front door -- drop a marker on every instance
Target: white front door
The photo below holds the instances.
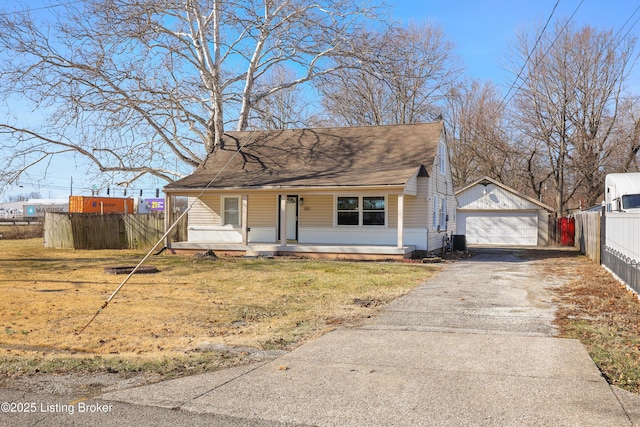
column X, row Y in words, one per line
column 292, row 217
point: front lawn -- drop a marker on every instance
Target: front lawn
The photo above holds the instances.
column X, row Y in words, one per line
column 181, row 318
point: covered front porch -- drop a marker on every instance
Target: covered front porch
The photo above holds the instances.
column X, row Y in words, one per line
column 302, row 223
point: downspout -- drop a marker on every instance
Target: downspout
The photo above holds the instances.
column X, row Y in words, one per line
column 427, row 245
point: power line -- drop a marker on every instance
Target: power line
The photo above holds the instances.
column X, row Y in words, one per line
column 512, row 87
column 625, row 23
column 505, row 101
column 35, row 9
column 530, row 53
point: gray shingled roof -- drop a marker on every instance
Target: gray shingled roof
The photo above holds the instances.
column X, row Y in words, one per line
column 328, row 157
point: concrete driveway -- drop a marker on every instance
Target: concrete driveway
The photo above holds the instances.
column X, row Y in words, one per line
column 474, row 346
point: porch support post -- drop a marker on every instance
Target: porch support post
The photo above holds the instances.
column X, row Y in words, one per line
column 400, row 221
column 168, row 207
column 283, row 220
column 245, row 219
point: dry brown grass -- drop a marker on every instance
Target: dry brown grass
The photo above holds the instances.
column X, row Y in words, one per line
column 10, row 232
column 193, row 303
column 605, row 317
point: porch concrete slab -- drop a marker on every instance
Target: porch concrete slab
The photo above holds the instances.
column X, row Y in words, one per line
column 297, row 248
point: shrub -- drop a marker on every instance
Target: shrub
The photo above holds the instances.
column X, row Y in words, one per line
column 13, row 232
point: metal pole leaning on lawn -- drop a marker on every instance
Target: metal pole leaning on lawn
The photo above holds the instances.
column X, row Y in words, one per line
column 106, row 303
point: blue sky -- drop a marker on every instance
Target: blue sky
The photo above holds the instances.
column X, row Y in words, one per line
column 481, row 30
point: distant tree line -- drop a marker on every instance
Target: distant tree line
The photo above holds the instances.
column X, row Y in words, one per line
column 22, row 197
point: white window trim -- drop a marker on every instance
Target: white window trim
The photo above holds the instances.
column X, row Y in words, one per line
column 360, row 211
column 443, row 214
column 223, row 214
column 436, row 217
column 442, row 154
column 439, row 213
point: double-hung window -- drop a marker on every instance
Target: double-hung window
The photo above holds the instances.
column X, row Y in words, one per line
column 439, row 213
column 436, row 217
column 443, row 213
column 361, row 210
column 231, row 211
column 442, row 157
column 348, row 211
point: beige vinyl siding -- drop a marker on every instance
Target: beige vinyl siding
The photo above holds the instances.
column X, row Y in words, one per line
column 316, row 211
column 392, row 210
column 205, row 211
column 416, row 209
column 441, row 186
column 452, row 211
column 263, row 210
column 411, row 188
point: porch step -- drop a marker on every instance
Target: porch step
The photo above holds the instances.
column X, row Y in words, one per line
column 259, row 252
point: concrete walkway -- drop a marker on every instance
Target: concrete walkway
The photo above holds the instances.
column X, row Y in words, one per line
column 473, row 346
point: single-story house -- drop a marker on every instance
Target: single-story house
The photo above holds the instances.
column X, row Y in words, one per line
column 490, row 213
column 356, row 192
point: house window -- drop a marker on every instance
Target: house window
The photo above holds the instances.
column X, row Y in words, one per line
column 373, row 211
column 439, row 213
column 442, row 157
column 361, row 210
column 435, row 213
column 348, row 212
column 231, row 211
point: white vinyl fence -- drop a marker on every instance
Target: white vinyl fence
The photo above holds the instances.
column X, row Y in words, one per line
column 612, row 240
column 621, row 248
column 623, row 233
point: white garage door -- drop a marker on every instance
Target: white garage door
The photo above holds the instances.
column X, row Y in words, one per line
column 500, row 228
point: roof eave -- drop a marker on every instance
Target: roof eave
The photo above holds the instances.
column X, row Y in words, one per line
column 285, row 187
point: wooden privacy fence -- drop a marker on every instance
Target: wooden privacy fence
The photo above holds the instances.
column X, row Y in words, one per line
column 587, row 234
column 113, row 231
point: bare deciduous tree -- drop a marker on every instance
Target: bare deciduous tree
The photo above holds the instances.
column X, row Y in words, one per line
column 569, row 104
column 285, row 109
column 404, row 77
column 139, row 87
column 626, row 158
column 477, row 135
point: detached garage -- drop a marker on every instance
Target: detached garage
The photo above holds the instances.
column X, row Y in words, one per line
column 490, row 213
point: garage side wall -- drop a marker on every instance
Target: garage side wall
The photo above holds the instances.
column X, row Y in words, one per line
column 543, row 227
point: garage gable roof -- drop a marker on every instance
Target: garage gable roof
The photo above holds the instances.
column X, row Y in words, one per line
column 327, row 157
column 468, row 196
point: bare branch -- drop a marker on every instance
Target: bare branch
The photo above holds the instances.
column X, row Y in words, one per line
column 140, row 87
